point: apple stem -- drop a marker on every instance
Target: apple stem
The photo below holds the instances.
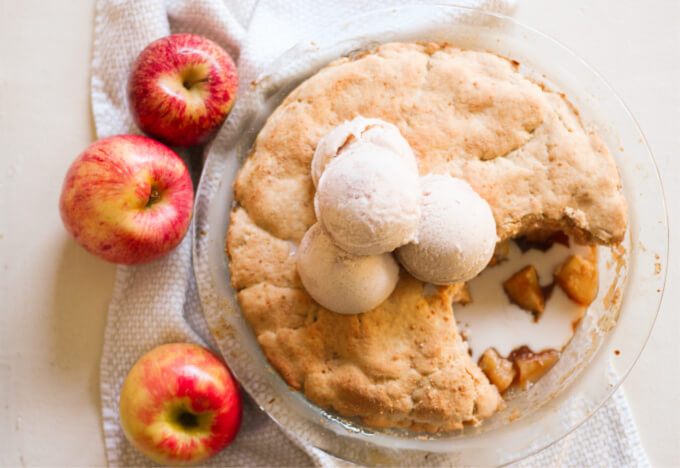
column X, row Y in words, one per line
column 189, row 84
column 154, row 196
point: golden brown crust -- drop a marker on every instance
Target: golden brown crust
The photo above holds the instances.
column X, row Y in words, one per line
column 465, row 113
column 402, row 364
column 256, row 256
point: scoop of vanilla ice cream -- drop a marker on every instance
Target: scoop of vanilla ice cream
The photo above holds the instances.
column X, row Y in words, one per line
column 368, row 200
column 340, row 281
column 360, row 129
column 456, row 234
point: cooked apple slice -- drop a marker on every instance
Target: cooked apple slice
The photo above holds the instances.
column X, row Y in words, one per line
column 500, row 253
column 524, row 290
column 499, row 370
column 462, row 296
column 542, row 239
column 531, row 366
column 578, row 278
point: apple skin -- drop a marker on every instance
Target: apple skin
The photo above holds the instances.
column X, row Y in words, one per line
column 174, row 385
column 181, row 88
column 127, row 199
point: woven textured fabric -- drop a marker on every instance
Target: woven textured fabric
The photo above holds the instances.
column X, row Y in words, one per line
column 159, row 302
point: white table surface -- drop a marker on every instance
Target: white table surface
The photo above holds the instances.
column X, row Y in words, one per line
column 54, row 296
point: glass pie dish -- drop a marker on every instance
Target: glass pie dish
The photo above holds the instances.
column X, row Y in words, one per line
column 608, row 339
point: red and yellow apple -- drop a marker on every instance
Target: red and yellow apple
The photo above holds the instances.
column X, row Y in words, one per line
column 179, row 405
column 181, row 88
column 127, row 199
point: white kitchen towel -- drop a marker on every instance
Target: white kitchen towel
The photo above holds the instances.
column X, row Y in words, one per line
column 159, row 303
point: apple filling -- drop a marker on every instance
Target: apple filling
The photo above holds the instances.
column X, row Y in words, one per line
column 522, row 367
column 576, row 276
column 524, row 290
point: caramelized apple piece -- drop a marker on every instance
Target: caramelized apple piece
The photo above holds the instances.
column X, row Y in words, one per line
column 462, row 296
column 524, row 290
column 541, row 239
column 500, row 253
column 592, row 254
column 531, row 366
column 578, row 278
column 499, row 370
